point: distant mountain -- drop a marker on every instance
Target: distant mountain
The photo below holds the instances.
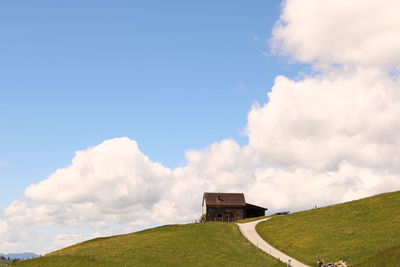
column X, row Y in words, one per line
column 21, row 256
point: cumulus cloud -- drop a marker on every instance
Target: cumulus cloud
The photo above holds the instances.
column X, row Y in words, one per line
column 359, row 32
column 320, row 121
column 13, row 238
column 91, row 178
column 322, row 139
column 113, row 180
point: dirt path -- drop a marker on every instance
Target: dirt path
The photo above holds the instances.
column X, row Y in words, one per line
column 249, row 231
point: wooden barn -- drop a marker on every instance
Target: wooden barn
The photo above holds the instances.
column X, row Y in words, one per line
column 228, row 207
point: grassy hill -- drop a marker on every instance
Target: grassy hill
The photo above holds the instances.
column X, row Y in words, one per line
column 206, row 244
column 252, row 219
column 5, row 263
column 387, row 258
column 365, row 232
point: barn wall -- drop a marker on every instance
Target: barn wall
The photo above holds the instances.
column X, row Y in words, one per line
column 225, row 214
column 254, row 213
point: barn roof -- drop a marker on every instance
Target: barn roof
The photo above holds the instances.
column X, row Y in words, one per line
column 251, row 206
column 224, row 199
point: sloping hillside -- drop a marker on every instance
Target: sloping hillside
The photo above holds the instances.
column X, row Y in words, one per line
column 207, row 244
column 387, row 258
column 360, row 231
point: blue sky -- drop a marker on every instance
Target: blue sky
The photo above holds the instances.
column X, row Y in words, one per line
column 172, row 75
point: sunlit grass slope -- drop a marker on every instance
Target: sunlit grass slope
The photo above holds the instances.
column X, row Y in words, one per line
column 353, row 231
column 5, row 263
column 387, row 258
column 206, row 244
column 251, row 219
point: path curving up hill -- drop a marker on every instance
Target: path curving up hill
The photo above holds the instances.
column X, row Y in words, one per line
column 249, row 231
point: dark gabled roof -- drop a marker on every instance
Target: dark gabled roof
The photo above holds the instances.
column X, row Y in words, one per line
column 224, row 199
column 251, row 206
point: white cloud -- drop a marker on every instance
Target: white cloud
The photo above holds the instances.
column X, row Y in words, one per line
column 319, row 121
column 92, row 178
column 360, row 32
column 12, row 238
column 302, row 188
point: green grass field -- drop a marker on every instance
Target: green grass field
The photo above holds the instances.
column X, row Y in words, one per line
column 252, row 219
column 5, row 263
column 361, row 231
column 387, row 258
column 200, row 244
